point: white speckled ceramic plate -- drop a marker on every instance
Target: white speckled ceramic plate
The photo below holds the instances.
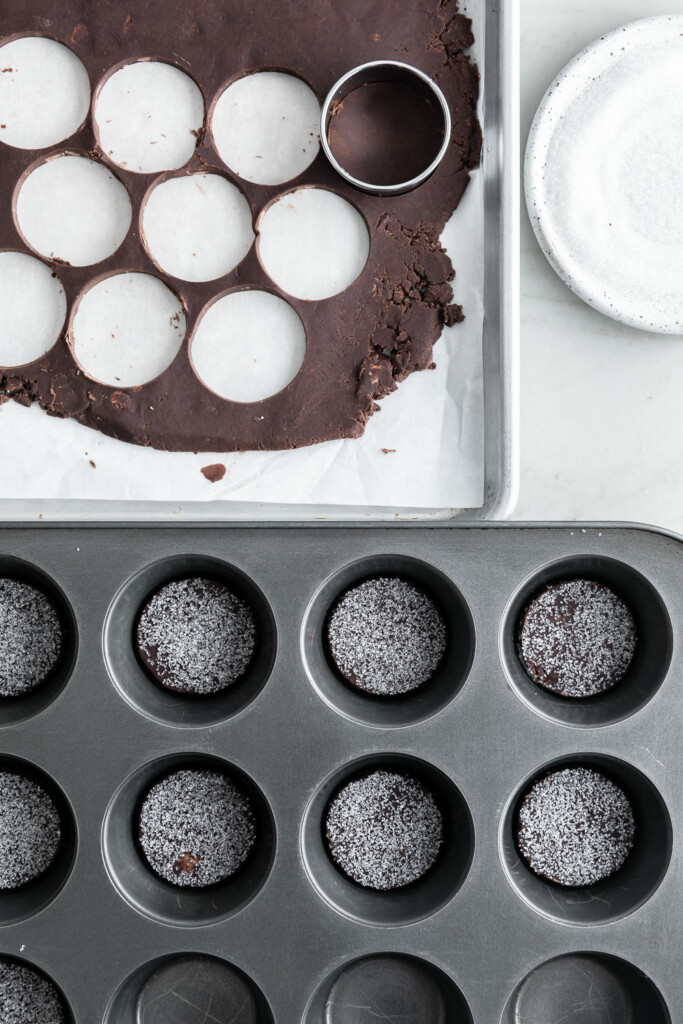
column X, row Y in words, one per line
column 604, row 174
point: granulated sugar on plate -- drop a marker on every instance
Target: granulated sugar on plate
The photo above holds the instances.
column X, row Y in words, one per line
column 386, row 636
column 577, row 638
column 384, row 830
column 575, row 827
column 196, row 636
column 30, row 830
column 604, row 174
column 30, row 638
column 27, row 997
column 196, row 827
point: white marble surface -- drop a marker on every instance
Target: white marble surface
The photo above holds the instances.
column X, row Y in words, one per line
column 602, row 403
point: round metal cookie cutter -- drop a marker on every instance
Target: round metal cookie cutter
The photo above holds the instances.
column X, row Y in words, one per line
column 385, row 71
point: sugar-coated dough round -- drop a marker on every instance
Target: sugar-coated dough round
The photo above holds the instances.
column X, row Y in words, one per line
column 575, row 827
column 384, row 830
column 196, row 636
column 386, row 636
column 30, row 831
column 577, row 638
column 196, row 827
column 31, row 639
column 27, row 997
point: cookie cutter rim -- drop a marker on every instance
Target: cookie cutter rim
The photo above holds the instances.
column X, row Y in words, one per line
column 365, row 74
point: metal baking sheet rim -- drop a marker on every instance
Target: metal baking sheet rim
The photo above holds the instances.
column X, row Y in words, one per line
column 500, row 167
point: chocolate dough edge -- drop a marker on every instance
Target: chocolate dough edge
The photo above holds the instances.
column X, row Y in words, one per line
column 360, row 344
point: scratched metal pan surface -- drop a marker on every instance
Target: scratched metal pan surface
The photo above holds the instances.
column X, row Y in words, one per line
column 493, row 943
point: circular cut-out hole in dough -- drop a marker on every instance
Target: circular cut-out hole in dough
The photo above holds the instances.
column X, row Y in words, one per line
column 266, row 127
column 148, row 116
column 197, row 227
column 127, row 329
column 313, row 243
column 248, row 345
column 44, row 92
column 33, row 308
column 72, row 208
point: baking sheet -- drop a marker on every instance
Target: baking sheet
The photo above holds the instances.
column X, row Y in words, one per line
column 423, row 454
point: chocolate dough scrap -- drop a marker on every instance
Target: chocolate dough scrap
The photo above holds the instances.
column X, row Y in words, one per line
column 361, row 343
column 213, row 473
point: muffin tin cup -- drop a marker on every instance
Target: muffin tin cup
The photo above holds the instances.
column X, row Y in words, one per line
column 599, row 988
column 18, row 904
column 290, row 920
column 454, row 1003
column 647, row 669
column 124, row 1006
column 14, row 710
column 158, row 702
column 399, row 710
column 143, row 889
column 409, row 903
column 625, row 890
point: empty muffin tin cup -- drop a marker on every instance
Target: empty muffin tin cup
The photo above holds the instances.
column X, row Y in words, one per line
column 595, row 988
column 389, row 72
column 145, row 997
column 391, row 987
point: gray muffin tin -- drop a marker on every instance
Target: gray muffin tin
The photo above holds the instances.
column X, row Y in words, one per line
column 99, row 922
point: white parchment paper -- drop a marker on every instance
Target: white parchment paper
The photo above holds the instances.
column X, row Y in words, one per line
column 432, row 429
